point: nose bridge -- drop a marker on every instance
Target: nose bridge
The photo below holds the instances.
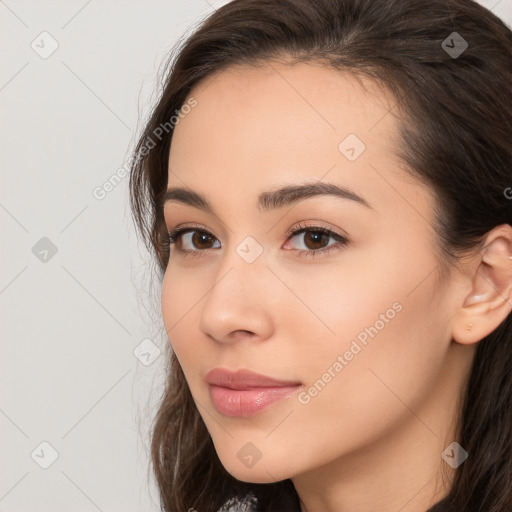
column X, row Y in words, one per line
column 244, row 263
column 236, row 300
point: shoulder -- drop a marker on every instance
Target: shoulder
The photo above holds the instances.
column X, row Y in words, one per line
column 248, row 503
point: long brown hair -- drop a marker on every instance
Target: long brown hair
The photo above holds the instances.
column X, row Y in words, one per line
column 455, row 136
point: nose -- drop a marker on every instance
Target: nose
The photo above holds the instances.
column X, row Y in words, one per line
column 237, row 307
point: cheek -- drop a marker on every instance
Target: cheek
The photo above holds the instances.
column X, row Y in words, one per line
column 393, row 373
column 379, row 314
column 374, row 391
column 369, row 354
column 180, row 295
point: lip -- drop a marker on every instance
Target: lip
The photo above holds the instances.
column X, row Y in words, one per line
column 244, row 393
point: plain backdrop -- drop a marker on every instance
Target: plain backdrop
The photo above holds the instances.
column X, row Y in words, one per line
column 81, row 353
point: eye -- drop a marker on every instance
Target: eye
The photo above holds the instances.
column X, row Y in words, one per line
column 314, row 238
column 192, row 241
column 184, row 238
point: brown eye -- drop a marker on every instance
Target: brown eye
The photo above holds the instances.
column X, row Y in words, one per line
column 190, row 240
column 201, row 240
column 315, row 240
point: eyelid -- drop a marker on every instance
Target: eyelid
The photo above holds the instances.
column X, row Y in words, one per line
column 181, row 230
column 190, row 225
column 302, row 226
column 291, row 231
column 294, row 231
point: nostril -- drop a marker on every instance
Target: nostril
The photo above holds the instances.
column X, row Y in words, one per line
column 242, row 331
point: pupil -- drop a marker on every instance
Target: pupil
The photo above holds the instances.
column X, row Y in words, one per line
column 317, row 237
column 202, row 238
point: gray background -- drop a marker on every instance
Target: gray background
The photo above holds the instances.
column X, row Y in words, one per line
column 81, row 361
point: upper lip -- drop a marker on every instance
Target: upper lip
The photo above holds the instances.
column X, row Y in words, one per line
column 244, row 379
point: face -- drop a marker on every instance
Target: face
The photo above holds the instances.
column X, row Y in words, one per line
column 332, row 295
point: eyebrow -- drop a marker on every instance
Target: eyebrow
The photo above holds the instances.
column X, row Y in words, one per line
column 270, row 200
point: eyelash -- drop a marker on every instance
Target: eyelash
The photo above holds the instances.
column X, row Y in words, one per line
column 175, row 234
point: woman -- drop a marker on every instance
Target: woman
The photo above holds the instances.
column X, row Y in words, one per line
column 326, row 186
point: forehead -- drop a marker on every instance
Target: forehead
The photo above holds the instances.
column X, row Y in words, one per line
column 255, row 127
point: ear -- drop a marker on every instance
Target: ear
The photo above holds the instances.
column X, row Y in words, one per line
column 490, row 299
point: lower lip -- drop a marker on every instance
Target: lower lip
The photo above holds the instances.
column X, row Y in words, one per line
column 243, row 403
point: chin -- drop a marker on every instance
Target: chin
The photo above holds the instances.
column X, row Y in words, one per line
column 259, row 473
column 260, row 477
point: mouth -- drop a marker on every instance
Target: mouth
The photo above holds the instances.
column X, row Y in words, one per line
column 244, row 393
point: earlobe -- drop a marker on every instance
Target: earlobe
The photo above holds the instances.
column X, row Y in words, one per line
column 490, row 299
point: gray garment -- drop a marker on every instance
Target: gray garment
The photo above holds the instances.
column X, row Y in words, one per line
column 247, row 504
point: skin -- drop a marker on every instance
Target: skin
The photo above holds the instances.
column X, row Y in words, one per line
column 372, row 438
